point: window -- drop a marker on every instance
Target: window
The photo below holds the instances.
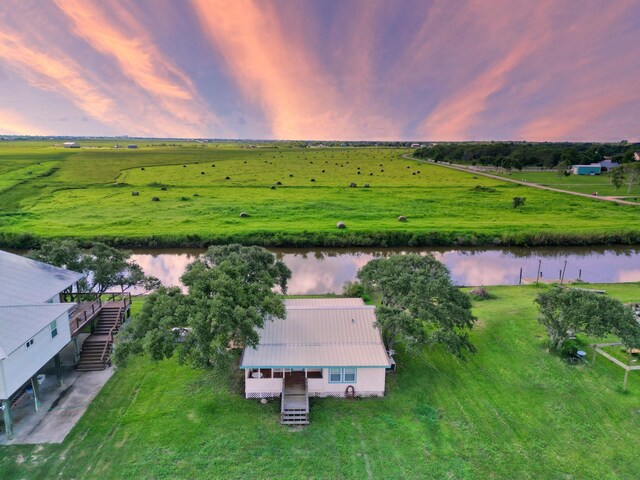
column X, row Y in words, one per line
column 54, row 328
column 29, row 343
column 349, row 375
column 343, row 375
column 335, row 375
column 314, row 373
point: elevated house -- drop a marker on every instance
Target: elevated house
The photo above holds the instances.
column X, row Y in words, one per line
column 40, row 314
column 324, row 347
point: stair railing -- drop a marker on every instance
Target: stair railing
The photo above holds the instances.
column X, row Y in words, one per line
column 103, row 357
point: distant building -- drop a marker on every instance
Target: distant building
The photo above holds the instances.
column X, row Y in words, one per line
column 71, row 145
column 636, row 156
column 607, row 164
column 132, row 145
column 595, row 169
column 415, row 145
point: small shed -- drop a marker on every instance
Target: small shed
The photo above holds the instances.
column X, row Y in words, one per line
column 132, row 145
column 586, row 169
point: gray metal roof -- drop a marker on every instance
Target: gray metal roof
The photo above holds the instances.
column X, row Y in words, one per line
column 335, row 334
column 323, row 302
column 26, row 282
column 19, row 323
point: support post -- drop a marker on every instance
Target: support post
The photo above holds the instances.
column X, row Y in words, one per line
column 538, row 275
column 56, row 360
column 76, row 351
column 626, row 377
column 564, row 268
column 520, row 280
column 580, row 274
column 593, row 362
column 37, row 403
column 8, row 419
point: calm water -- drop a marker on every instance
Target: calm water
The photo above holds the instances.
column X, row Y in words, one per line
column 326, row 271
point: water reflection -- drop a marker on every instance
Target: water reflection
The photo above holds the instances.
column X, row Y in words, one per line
column 325, row 271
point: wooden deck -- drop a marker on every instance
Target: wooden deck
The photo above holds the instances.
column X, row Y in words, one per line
column 85, row 311
column 295, row 400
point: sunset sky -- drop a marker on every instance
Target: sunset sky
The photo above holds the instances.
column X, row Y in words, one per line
column 345, row 69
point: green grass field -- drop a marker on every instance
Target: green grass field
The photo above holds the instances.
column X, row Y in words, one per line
column 87, row 194
column 578, row 183
column 511, row 411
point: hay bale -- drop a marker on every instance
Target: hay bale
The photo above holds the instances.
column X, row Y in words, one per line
column 371, row 174
column 164, row 189
column 135, row 194
column 340, row 225
column 155, row 199
column 141, row 168
column 273, row 187
column 213, row 164
column 358, row 173
column 413, row 173
column 366, row 185
column 196, row 195
column 184, row 199
column 402, row 218
column 227, row 178
column 244, row 214
column 201, row 173
column 352, row 185
column 184, row 166
column 381, row 171
column 322, row 171
column 291, row 175
column 313, row 179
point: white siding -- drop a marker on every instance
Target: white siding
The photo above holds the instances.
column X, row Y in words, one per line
column 24, row 363
column 369, row 382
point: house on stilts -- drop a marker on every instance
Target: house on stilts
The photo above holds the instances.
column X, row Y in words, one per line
column 41, row 312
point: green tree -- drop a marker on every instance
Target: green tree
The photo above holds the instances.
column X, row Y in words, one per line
column 562, row 168
column 419, row 305
column 617, row 177
column 567, row 311
column 632, row 171
column 105, row 267
column 230, row 294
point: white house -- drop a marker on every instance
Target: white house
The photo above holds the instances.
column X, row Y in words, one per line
column 324, row 347
column 71, row 145
column 34, row 324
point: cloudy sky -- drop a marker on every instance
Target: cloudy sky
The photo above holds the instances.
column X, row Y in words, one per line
column 344, row 69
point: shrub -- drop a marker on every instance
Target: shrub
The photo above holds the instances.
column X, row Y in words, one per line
column 518, row 201
column 480, row 293
column 353, row 289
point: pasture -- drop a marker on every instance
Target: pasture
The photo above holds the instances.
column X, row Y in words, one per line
column 579, row 183
column 511, row 410
column 293, row 197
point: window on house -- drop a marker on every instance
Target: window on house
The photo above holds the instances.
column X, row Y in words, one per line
column 54, row 328
column 335, row 375
column 29, row 343
column 314, row 373
column 350, row 375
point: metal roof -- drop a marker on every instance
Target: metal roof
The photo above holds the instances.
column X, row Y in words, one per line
column 19, row 323
column 26, row 282
column 334, row 334
column 323, row 302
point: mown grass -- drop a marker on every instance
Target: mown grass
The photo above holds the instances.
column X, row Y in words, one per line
column 578, row 183
column 511, row 411
column 89, row 197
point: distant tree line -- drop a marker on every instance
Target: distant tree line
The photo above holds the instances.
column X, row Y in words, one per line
column 517, row 155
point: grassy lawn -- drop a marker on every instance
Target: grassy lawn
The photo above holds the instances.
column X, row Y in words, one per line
column 511, row 411
column 577, row 183
column 87, row 193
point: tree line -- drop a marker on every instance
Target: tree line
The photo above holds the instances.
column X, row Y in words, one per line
column 517, row 155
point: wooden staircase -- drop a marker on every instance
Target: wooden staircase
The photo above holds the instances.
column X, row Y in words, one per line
column 96, row 349
column 294, row 409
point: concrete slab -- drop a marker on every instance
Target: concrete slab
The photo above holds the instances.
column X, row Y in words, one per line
column 61, row 408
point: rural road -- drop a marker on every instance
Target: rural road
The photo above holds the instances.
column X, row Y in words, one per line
column 408, row 156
